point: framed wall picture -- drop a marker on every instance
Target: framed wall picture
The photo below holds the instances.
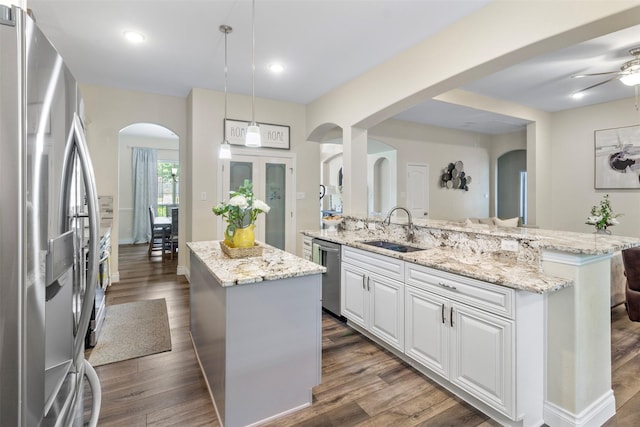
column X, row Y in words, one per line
column 617, row 158
column 273, row 136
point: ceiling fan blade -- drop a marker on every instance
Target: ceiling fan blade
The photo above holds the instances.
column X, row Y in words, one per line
column 598, row 84
column 579, row 76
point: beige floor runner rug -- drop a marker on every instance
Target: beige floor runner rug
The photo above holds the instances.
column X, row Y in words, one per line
column 131, row 330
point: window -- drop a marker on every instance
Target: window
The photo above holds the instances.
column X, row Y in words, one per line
column 168, row 186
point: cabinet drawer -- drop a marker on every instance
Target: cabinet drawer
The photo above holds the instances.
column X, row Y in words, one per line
column 383, row 265
column 486, row 296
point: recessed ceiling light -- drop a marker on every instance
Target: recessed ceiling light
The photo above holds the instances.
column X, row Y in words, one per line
column 133, row 36
column 276, row 68
column 578, row 95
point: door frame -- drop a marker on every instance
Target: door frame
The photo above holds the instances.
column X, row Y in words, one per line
column 264, row 156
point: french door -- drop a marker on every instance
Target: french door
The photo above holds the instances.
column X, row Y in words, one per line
column 273, row 183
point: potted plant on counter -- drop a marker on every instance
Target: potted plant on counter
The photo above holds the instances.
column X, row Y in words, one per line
column 602, row 216
column 241, row 212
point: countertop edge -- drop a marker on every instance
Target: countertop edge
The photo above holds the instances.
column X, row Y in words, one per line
column 500, row 273
column 273, row 264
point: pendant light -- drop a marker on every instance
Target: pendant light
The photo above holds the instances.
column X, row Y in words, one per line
column 253, row 138
column 225, row 147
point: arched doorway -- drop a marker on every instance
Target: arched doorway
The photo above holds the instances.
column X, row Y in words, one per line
column 512, row 185
column 165, row 143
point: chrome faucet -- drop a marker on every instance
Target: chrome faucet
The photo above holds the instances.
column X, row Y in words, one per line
column 410, row 227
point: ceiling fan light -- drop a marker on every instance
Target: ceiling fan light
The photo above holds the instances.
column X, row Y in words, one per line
column 253, row 138
column 225, row 150
column 631, row 79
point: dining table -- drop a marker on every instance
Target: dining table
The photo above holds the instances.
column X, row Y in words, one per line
column 162, row 222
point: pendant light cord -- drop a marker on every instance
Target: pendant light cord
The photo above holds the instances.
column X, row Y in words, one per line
column 225, row 72
column 253, row 61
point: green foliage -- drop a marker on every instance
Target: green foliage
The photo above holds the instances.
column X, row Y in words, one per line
column 602, row 215
column 242, row 209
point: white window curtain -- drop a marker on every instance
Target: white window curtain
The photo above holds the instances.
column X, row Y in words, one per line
column 144, row 176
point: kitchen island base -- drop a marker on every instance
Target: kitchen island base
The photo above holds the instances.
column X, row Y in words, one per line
column 259, row 345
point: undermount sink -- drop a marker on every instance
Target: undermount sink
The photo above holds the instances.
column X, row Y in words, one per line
column 392, row 246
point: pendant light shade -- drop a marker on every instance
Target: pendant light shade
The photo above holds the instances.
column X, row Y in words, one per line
column 225, row 150
column 225, row 147
column 253, row 138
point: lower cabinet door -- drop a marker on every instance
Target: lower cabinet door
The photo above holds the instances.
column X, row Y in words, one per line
column 482, row 357
column 386, row 319
column 354, row 295
column 427, row 329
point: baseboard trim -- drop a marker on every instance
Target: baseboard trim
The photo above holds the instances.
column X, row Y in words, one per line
column 595, row 414
column 181, row 271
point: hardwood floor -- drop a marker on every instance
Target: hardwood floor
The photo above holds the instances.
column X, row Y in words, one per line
column 362, row 384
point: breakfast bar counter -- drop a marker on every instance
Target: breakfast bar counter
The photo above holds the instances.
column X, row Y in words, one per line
column 561, row 370
column 256, row 330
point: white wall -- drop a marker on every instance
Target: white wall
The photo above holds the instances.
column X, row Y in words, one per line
column 438, row 147
column 572, row 167
column 167, row 150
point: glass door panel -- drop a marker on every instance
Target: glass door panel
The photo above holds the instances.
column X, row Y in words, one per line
column 272, row 179
column 239, row 171
column 275, row 191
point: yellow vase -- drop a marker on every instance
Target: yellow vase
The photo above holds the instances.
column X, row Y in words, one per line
column 244, row 237
column 228, row 238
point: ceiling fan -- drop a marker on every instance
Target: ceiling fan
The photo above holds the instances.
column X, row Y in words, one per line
column 629, row 73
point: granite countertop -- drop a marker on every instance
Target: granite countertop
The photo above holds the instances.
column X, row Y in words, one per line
column 563, row 241
column 493, row 269
column 274, row 264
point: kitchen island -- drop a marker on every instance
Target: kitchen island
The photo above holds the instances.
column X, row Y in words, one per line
column 257, row 331
column 538, row 353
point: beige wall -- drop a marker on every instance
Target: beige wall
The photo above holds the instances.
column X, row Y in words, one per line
column 438, row 147
column 206, row 118
column 107, row 111
column 429, row 70
column 197, row 120
column 571, row 169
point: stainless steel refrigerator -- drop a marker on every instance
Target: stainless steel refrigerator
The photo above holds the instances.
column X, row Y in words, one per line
column 48, row 233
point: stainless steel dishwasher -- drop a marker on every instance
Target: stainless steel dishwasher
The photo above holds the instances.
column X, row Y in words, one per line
column 327, row 254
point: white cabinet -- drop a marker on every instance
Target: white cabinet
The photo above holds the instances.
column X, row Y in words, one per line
column 452, row 329
column 373, row 294
column 307, row 248
column 355, row 297
column 482, row 356
column 426, row 335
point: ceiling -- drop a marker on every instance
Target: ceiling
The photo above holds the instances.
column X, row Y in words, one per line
column 322, row 44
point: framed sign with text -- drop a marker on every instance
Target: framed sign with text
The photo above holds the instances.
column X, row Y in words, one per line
column 273, row 136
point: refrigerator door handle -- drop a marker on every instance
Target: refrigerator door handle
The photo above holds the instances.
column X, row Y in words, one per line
column 77, row 143
column 94, row 230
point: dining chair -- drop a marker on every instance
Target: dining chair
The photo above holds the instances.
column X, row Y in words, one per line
column 173, row 234
column 158, row 235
